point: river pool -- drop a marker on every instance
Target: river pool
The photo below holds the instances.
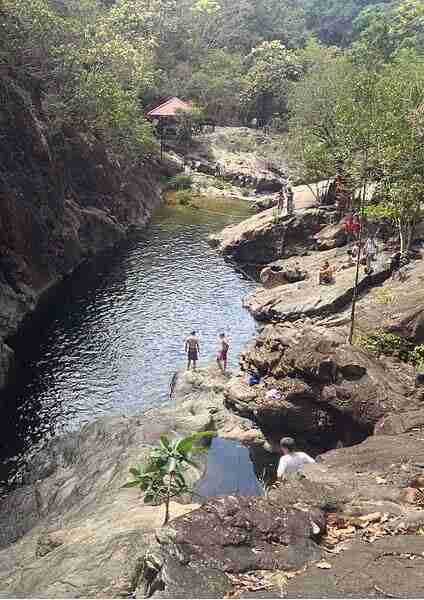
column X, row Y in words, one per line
column 111, row 337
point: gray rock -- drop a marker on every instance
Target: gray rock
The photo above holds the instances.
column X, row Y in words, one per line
column 267, row 235
column 329, row 391
column 332, row 236
column 308, row 298
column 392, row 567
column 7, row 362
column 73, row 515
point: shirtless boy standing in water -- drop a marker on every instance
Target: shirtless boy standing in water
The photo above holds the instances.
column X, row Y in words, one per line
column 221, row 358
column 192, row 349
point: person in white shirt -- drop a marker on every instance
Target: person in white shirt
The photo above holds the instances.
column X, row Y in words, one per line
column 291, row 460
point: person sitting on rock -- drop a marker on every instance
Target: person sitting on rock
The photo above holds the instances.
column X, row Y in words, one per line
column 291, row 460
column 326, row 273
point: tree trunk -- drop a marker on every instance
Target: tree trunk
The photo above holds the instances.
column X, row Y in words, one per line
column 401, row 239
column 168, row 498
column 358, row 262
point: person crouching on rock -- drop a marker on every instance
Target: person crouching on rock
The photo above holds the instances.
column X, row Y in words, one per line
column 326, row 273
column 223, row 347
column 192, row 350
column 291, row 459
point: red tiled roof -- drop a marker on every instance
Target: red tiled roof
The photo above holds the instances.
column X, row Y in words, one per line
column 168, row 108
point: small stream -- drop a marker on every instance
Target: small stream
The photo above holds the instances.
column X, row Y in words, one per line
column 111, row 337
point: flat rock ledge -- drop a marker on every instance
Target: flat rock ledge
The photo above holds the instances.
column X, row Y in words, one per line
column 290, row 302
column 71, row 530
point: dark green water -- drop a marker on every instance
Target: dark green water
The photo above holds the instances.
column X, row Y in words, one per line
column 112, row 336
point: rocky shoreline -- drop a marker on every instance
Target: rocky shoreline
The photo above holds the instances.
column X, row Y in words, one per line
column 56, row 214
column 349, row 526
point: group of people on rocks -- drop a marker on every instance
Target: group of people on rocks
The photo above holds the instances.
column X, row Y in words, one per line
column 368, row 249
column 192, row 350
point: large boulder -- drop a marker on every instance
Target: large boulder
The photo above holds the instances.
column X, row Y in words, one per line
column 327, row 390
column 268, row 185
column 229, row 535
column 278, row 274
column 359, row 480
column 268, row 235
column 309, row 299
column 332, row 236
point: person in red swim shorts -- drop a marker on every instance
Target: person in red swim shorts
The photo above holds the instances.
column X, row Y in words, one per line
column 223, row 347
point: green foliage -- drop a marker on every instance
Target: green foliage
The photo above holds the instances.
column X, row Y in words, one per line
column 380, row 342
column 187, row 122
column 271, row 67
column 88, row 71
column 385, row 29
column 163, row 477
column 417, row 356
column 369, row 120
column 179, row 182
column 333, row 22
column 184, row 197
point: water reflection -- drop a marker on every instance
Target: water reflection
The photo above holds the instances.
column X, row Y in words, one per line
column 112, row 336
column 229, row 471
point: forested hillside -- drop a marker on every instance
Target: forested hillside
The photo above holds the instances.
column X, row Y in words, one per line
column 97, row 64
column 344, row 79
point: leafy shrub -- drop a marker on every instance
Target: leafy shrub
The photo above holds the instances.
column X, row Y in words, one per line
column 179, row 182
column 380, row 342
column 162, row 478
column 417, row 356
column 184, row 197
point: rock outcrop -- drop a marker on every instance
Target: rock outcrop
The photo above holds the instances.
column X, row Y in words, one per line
column 392, row 567
column 62, row 198
column 228, row 535
column 309, row 299
column 267, row 236
column 326, row 390
column 72, row 515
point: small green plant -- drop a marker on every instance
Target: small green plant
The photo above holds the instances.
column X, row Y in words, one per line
column 380, row 342
column 417, row 356
column 162, row 478
column 184, row 197
column 179, row 182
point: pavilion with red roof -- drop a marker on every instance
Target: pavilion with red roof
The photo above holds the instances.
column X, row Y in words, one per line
column 166, row 114
column 168, row 109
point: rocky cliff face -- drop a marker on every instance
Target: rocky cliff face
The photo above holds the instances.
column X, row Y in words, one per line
column 62, row 198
